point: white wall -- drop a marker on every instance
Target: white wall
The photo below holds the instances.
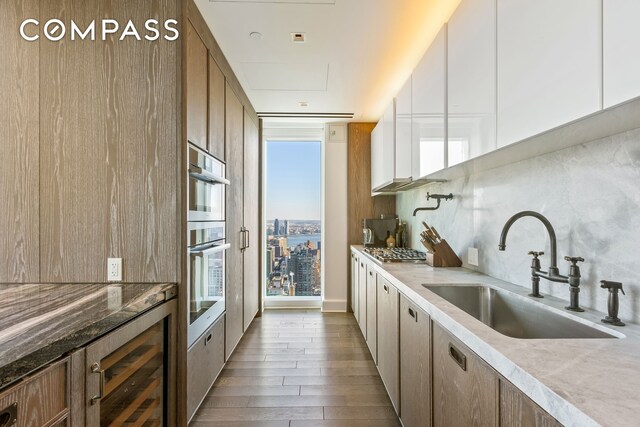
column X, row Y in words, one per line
column 591, row 195
column 334, row 227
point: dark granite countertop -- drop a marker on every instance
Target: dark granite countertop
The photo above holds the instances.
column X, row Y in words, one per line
column 39, row 323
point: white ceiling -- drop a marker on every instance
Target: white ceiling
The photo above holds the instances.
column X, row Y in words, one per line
column 357, row 53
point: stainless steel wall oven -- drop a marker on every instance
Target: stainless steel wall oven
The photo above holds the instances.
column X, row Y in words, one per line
column 205, row 241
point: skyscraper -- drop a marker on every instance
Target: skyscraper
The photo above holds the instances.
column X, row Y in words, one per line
column 285, row 228
column 276, row 227
column 302, row 262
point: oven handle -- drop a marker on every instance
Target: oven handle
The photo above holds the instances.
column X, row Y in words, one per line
column 210, row 250
column 206, row 176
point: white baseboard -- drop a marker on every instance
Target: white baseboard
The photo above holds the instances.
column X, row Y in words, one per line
column 334, row 305
column 292, row 303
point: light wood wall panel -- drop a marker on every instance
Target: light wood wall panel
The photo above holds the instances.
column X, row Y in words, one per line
column 19, row 157
column 251, row 219
column 360, row 203
column 109, row 147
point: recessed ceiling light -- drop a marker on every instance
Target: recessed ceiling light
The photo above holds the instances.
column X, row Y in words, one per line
column 255, row 35
column 298, row 37
column 303, row 103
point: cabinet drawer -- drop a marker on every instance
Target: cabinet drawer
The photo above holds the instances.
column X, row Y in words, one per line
column 204, row 362
column 39, row 400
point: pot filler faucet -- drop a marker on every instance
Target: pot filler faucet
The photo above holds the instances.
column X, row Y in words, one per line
column 553, row 274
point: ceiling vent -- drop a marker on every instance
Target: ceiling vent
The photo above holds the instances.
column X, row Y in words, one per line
column 298, row 37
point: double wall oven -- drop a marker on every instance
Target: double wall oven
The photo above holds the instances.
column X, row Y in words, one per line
column 205, row 240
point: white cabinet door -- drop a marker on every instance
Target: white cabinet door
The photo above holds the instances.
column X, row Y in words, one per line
column 403, row 131
column 428, row 112
column 549, row 64
column 377, row 155
column 471, row 80
column 621, row 51
column 389, row 143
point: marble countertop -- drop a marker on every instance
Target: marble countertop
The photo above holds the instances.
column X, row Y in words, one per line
column 39, row 323
column 580, row 382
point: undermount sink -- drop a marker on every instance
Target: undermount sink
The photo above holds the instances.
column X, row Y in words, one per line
column 513, row 315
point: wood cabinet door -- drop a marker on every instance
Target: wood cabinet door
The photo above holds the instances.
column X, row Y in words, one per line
column 465, row 388
column 549, row 65
column 388, row 340
column 251, row 219
column 216, row 110
column 362, row 297
column 428, row 108
column 415, row 365
column 372, row 325
column 471, row 80
column 621, row 43
column 517, row 410
column 234, row 153
column 197, row 58
column 354, row 284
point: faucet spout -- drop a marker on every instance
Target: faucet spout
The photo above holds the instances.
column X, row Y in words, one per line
column 553, row 268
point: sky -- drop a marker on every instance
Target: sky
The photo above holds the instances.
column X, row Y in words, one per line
column 293, row 180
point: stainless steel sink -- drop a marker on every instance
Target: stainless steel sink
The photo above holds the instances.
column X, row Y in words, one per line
column 513, row 315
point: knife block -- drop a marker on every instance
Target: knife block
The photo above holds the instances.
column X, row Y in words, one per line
column 443, row 256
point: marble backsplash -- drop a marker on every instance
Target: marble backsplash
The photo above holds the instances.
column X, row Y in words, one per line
column 591, row 195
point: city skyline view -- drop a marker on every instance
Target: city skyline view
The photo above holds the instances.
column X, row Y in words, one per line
column 293, row 230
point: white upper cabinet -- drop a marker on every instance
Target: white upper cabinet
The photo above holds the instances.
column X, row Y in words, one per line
column 428, row 109
column 403, row 131
column 549, row 64
column 471, row 80
column 621, row 51
column 377, row 177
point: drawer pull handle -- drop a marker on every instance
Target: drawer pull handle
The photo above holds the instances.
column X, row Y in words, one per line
column 456, row 355
column 95, row 369
column 386, row 288
column 371, row 273
column 362, row 265
column 207, row 339
column 9, row 415
column 413, row 314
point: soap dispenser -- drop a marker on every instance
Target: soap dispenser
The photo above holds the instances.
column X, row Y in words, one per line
column 613, row 303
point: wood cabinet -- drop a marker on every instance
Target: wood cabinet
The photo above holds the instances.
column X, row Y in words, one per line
column 388, row 339
column 130, row 372
column 621, row 43
column 517, row 410
column 215, row 125
column 42, row 399
column 251, row 217
column 354, row 284
column 234, row 154
column 415, row 365
column 465, row 388
column 428, row 109
column 207, row 355
column 549, row 65
column 471, row 80
column 362, row 297
column 197, row 89
column 372, row 315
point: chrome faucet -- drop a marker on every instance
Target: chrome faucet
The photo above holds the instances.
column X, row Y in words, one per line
column 553, row 273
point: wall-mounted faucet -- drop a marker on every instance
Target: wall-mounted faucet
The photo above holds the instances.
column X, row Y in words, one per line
column 438, row 197
column 553, row 274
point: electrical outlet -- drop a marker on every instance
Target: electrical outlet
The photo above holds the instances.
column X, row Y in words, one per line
column 114, row 297
column 472, row 256
column 114, row 269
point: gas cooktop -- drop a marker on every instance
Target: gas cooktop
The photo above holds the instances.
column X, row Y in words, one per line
column 396, row 254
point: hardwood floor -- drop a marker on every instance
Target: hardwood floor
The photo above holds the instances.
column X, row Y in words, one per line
column 299, row 369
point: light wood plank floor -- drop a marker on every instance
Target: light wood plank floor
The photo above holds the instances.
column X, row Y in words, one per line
column 299, row 368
